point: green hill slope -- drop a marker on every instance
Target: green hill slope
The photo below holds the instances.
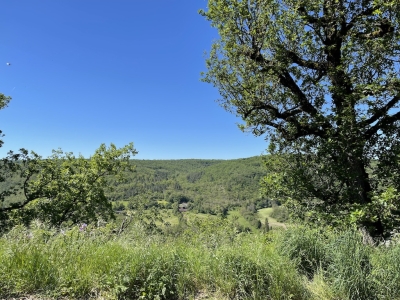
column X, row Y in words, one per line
column 208, row 185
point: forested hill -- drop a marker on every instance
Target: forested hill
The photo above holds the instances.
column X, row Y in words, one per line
column 208, row 185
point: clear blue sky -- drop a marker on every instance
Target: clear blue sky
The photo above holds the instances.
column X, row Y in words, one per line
column 86, row 72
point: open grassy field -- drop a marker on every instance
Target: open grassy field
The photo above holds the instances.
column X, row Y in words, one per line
column 235, row 216
column 265, row 213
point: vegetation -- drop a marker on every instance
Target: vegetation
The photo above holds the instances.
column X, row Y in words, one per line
column 208, row 259
column 322, row 79
column 4, row 100
column 64, row 188
column 61, row 189
column 280, row 213
column 209, row 186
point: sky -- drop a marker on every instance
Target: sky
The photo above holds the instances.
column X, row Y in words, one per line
column 88, row 72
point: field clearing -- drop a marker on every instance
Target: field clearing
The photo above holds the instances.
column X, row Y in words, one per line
column 266, row 213
column 168, row 216
column 235, row 214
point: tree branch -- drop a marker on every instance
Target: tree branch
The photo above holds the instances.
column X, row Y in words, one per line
column 306, row 63
column 289, row 117
column 310, row 19
column 287, row 81
column 16, row 205
column 383, row 122
column 347, row 27
column 385, row 27
column 382, row 111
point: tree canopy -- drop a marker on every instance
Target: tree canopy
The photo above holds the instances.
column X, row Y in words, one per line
column 4, row 100
column 64, row 188
column 321, row 79
column 61, row 188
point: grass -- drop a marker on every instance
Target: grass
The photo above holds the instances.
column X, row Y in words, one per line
column 208, row 260
column 236, row 217
column 266, row 213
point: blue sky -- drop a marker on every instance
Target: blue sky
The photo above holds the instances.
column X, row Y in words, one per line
column 99, row 71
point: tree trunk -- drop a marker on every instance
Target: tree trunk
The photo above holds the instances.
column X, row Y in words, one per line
column 362, row 187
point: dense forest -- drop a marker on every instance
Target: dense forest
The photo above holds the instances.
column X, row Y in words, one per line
column 209, row 186
column 214, row 187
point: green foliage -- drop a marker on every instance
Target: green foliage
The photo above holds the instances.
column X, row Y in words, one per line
column 4, row 100
column 321, row 80
column 385, row 206
column 210, row 186
column 249, row 212
column 9, row 165
column 61, row 188
column 64, row 188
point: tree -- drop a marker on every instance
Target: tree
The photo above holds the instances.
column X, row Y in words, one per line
column 266, row 225
column 61, row 188
column 4, row 100
column 321, row 79
column 64, row 188
column 8, row 165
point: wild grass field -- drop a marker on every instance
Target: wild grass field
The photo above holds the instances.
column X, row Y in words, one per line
column 206, row 259
column 266, row 213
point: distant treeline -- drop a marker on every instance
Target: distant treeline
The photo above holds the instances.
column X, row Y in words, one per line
column 209, row 186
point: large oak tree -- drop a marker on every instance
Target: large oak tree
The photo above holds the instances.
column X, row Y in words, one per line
column 321, row 80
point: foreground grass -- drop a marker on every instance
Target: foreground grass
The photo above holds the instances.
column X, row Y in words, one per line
column 208, row 259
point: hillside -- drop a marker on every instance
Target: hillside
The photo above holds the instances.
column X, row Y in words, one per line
column 208, row 185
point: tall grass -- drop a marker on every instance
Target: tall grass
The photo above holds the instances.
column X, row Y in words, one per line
column 350, row 269
column 308, row 247
column 340, row 266
column 385, row 273
column 138, row 265
column 209, row 258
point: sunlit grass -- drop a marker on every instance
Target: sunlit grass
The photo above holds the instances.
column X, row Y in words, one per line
column 208, row 258
column 235, row 216
column 266, row 213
